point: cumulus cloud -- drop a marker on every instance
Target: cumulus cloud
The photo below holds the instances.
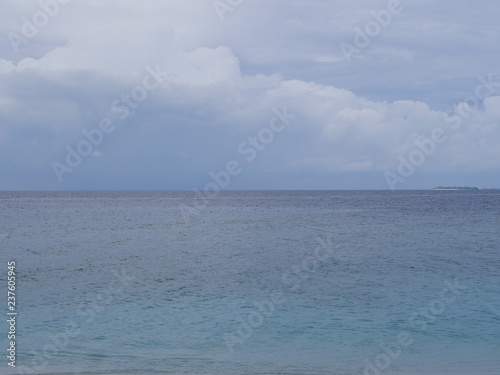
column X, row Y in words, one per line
column 224, row 79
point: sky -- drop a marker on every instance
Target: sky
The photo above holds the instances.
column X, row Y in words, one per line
column 249, row 94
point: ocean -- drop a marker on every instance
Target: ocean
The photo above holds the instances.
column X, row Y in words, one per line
column 253, row 282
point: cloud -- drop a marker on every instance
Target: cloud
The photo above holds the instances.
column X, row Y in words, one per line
column 225, row 79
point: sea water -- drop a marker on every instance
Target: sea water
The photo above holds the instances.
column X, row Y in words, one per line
column 300, row 282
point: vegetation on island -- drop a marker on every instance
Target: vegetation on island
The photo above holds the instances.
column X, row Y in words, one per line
column 455, row 188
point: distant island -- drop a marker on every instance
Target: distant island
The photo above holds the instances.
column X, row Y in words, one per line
column 455, row 188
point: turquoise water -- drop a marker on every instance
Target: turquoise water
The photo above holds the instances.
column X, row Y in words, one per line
column 338, row 283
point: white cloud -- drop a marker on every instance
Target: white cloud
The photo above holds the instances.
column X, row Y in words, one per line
column 230, row 75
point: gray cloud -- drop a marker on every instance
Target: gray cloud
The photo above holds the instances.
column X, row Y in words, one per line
column 354, row 120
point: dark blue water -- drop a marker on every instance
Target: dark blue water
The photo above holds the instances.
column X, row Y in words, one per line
column 337, row 283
